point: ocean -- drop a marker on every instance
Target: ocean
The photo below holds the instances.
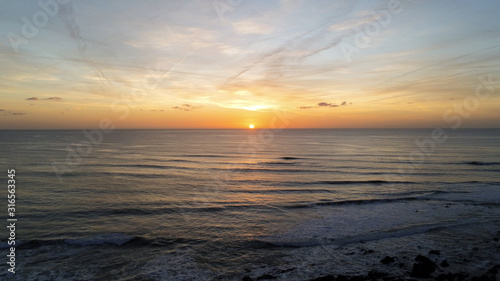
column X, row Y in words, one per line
column 231, row 204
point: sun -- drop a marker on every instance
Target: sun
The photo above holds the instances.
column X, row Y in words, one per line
column 251, row 126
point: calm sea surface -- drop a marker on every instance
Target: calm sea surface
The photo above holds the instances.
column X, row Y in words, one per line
column 222, row 204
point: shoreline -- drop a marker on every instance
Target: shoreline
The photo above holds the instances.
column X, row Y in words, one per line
column 465, row 253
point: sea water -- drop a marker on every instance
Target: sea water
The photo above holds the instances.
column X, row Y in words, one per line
column 223, row 204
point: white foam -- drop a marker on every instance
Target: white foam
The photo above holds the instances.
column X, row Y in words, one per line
column 178, row 265
column 355, row 223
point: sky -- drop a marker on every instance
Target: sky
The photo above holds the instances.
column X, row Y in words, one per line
column 231, row 63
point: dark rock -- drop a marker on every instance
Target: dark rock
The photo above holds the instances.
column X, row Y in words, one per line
column 422, row 270
column 495, row 239
column 366, row 252
column 445, row 263
column 358, row 278
column 324, row 278
column 490, row 275
column 421, row 258
column 452, row 277
column 401, row 264
column 423, row 267
column 373, row 274
column 434, row 252
column 246, row 278
column 267, row 276
column 388, row 260
column 288, row 270
column 350, row 278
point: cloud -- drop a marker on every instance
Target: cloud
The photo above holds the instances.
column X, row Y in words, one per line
column 324, row 104
column 186, row 107
column 11, row 113
column 284, row 59
column 51, row 98
column 54, row 98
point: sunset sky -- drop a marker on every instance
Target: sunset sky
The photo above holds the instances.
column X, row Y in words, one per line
column 231, row 63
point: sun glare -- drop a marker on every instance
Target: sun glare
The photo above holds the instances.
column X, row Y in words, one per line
column 251, row 126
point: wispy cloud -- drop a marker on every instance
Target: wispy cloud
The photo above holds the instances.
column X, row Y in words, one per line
column 324, row 104
column 307, row 107
column 276, row 54
column 4, row 112
column 51, row 98
column 186, row 107
column 54, row 98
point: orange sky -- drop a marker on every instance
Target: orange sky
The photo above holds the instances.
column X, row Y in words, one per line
column 175, row 65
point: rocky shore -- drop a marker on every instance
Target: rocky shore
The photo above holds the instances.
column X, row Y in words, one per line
column 475, row 260
column 423, row 268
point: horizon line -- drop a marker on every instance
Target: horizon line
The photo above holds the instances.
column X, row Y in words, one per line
column 248, row 129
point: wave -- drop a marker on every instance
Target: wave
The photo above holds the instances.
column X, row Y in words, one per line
column 277, row 163
column 275, row 170
column 293, row 190
column 278, row 183
column 206, row 155
column 478, row 163
column 182, row 209
column 401, row 231
column 137, row 175
column 327, row 182
column 116, row 239
column 348, row 182
column 290, row 158
column 108, row 239
column 150, row 166
column 357, row 202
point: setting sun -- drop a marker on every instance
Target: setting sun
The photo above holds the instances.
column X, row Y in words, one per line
column 251, row 126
